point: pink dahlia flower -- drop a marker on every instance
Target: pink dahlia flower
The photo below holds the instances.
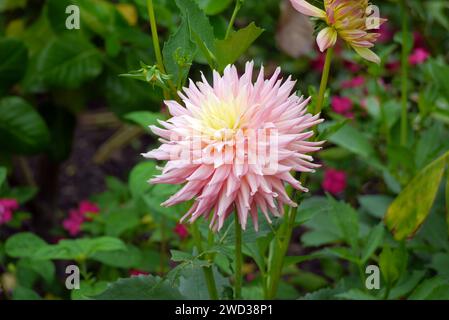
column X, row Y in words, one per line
column 234, row 145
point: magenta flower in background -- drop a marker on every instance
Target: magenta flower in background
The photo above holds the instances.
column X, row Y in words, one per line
column 77, row 216
column 234, row 145
column 7, row 206
column 418, row 56
column 73, row 223
column 136, row 272
column 342, row 105
column 334, row 181
column 353, row 83
column 181, row 231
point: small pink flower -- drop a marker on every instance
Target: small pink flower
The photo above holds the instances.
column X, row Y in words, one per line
column 181, row 231
column 88, row 207
column 136, row 272
column 334, row 181
column 73, row 223
column 353, row 83
column 341, row 105
column 7, row 206
column 85, row 208
column 418, row 56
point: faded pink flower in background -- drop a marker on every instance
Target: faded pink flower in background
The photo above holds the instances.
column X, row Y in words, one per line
column 7, row 206
column 334, row 181
column 418, row 56
column 346, row 19
column 222, row 117
column 342, row 105
column 181, row 231
column 77, row 216
column 353, row 83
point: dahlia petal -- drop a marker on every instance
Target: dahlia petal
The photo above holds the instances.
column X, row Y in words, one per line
column 367, row 54
column 309, row 10
column 326, row 38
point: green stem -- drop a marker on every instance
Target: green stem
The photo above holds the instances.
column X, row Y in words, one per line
column 404, row 75
column 238, row 5
column 157, row 48
column 324, row 80
column 208, row 273
column 163, row 248
column 238, row 259
column 155, row 37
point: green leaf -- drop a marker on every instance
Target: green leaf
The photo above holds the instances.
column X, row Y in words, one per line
column 311, row 207
column 229, row 50
column 440, row 262
column 346, row 219
column 436, row 288
column 192, row 283
column 355, row 141
column 3, row 173
column 328, row 129
column 144, row 118
column 406, row 284
column 139, row 176
column 180, row 256
column 121, row 220
column 409, row 210
column 198, row 22
column 68, row 62
column 22, row 129
column 140, row 288
column 179, row 52
column 88, row 289
column 22, row 245
column 393, row 263
column 78, row 249
column 44, row 268
column 355, row 294
column 373, row 242
column 129, row 258
column 213, row 7
column 13, row 62
column 22, row 293
column 342, row 253
column 376, row 205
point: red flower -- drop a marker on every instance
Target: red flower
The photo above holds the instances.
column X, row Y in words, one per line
column 334, row 181
column 181, row 231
